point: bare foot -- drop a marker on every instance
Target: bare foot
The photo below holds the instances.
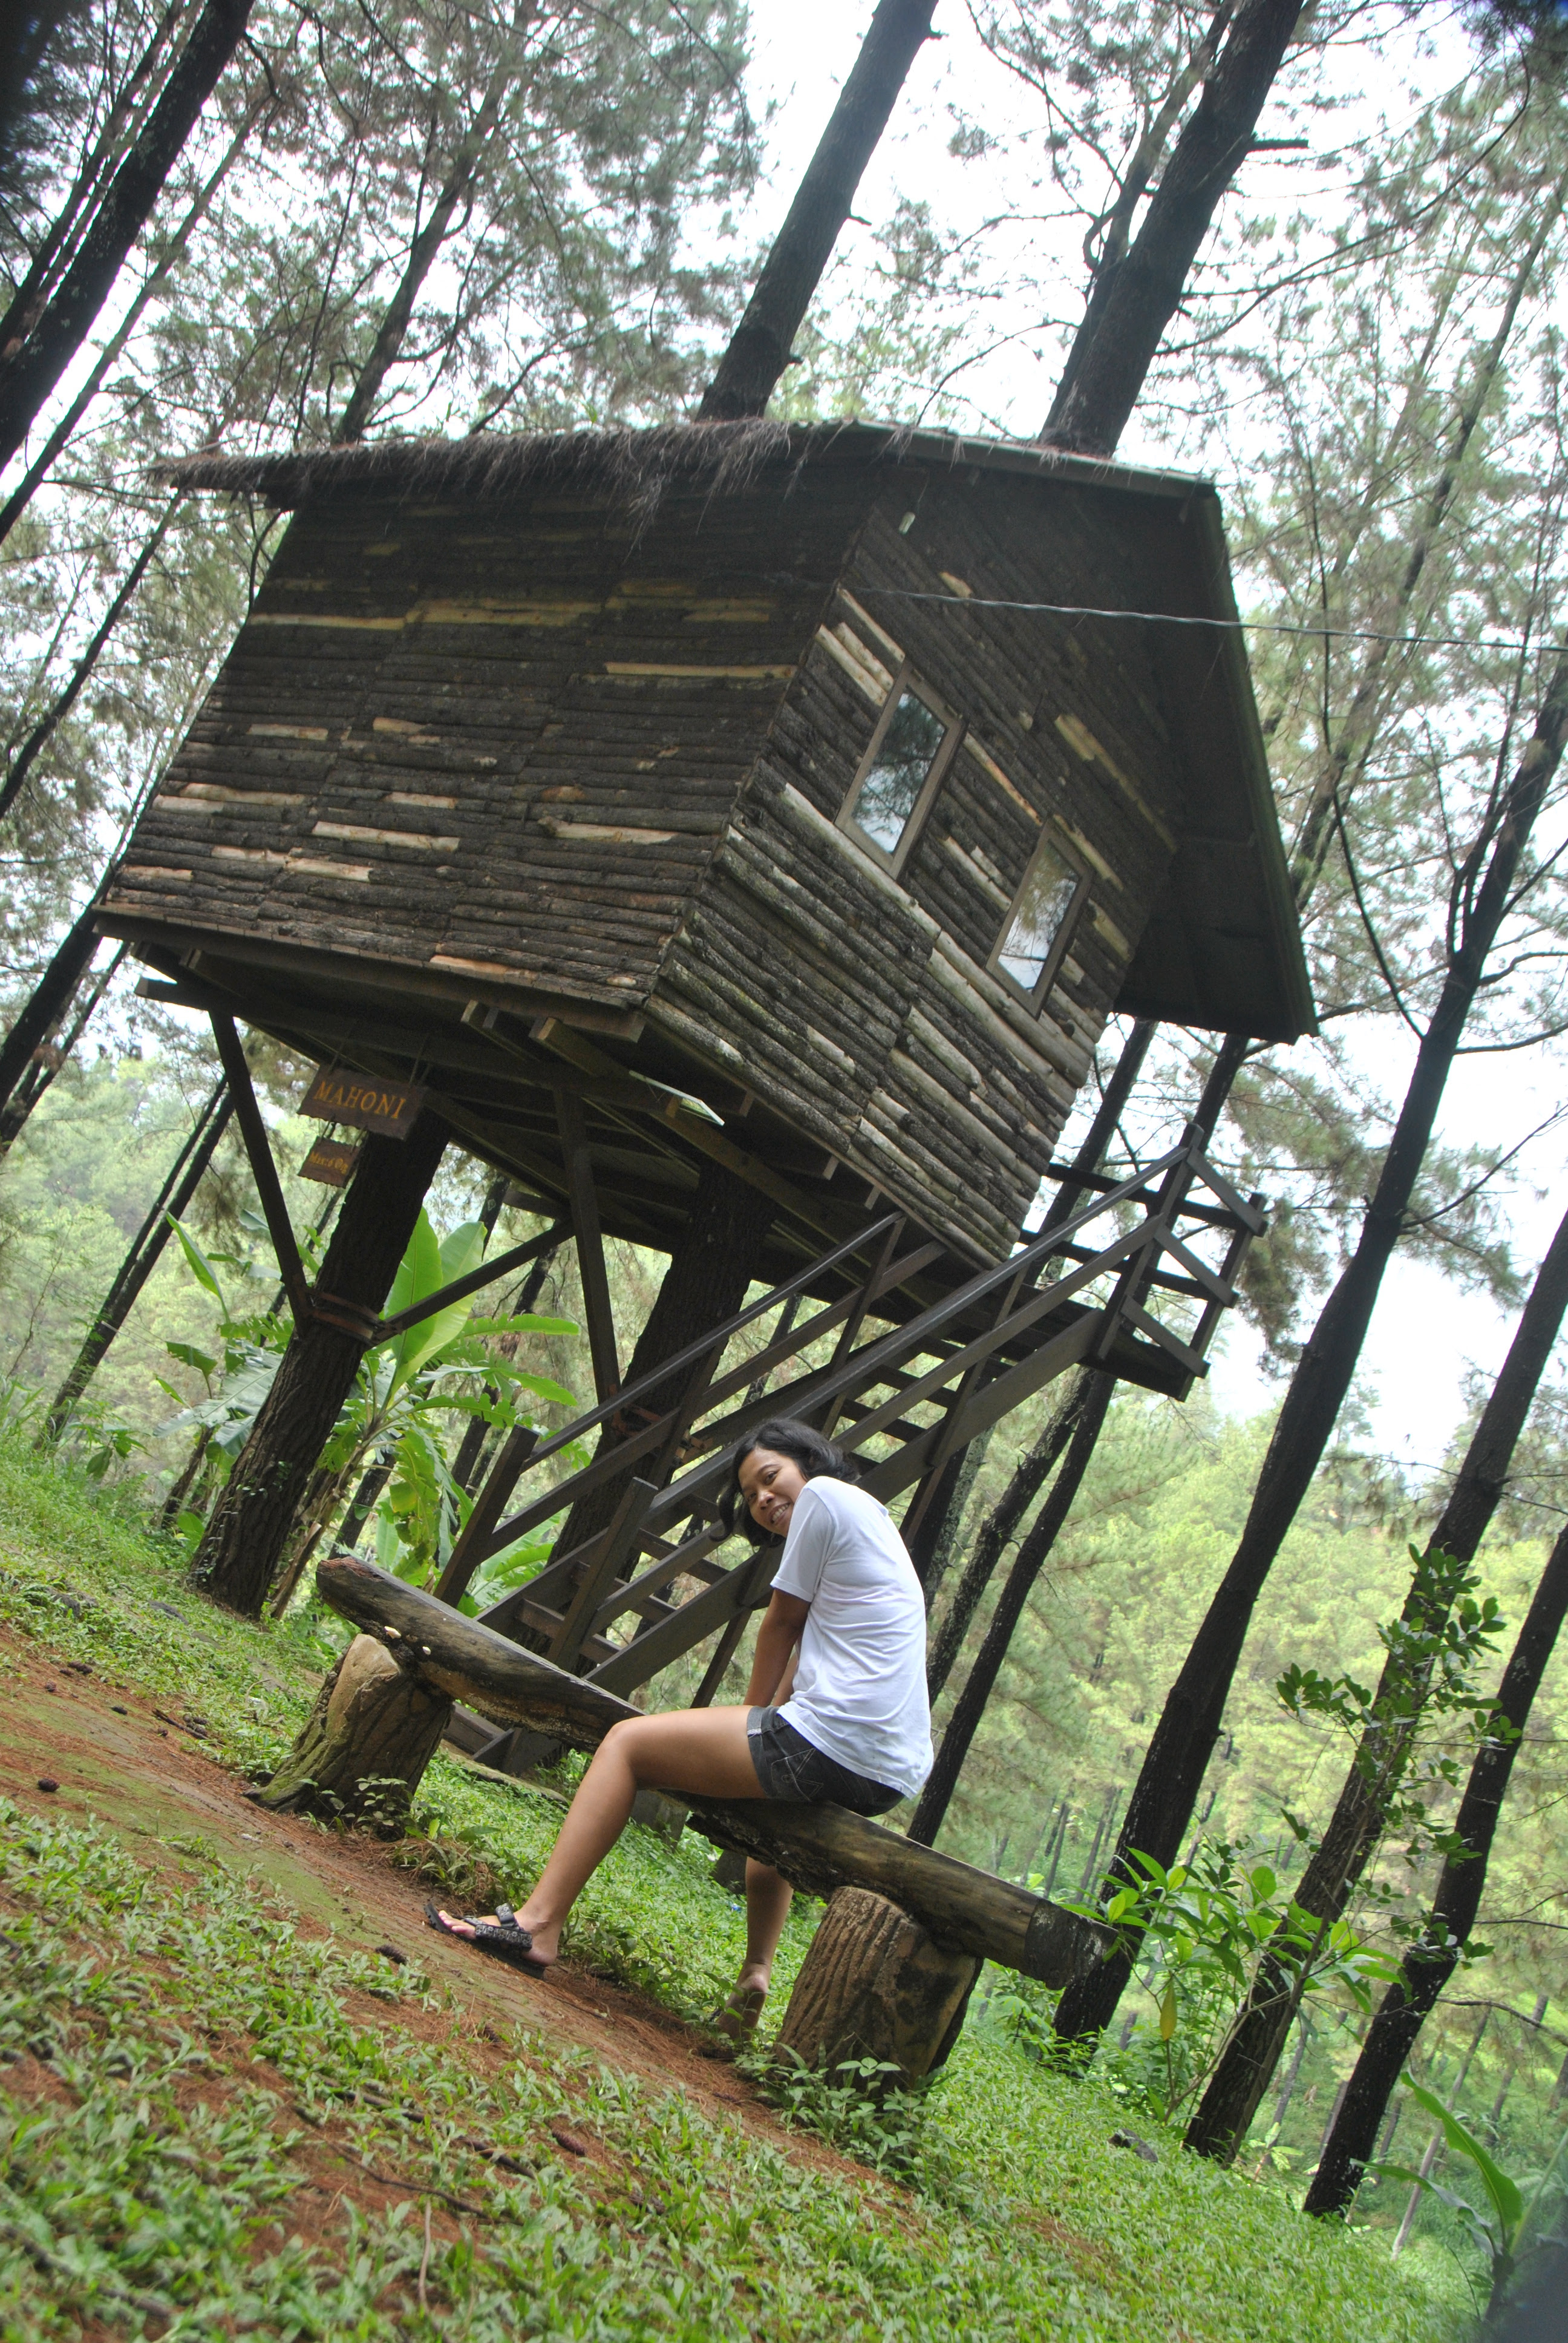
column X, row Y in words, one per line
column 546, row 1933
column 737, row 2021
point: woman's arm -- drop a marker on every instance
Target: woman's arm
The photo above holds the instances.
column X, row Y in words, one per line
column 776, row 1641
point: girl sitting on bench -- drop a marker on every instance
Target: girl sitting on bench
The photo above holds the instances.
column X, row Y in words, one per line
column 835, row 1709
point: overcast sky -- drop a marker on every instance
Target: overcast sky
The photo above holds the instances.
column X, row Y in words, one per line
column 1426, row 1335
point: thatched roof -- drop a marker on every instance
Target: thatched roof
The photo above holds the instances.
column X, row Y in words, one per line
column 634, row 467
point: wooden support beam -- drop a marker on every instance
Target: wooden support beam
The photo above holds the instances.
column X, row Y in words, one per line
column 818, row 1848
column 705, row 1136
column 856, row 1318
column 1236, row 1253
column 590, row 1246
column 469, row 1546
column 461, row 1287
column 689, row 1558
column 559, row 1061
column 259, row 1153
column 213, row 952
column 1102, row 1182
column 616, row 1548
column 1133, row 1315
column 740, row 1589
column 694, row 1400
column 724, row 1651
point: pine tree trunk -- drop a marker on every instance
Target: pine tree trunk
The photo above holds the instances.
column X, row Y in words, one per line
column 1030, row 1474
column 146, row 1250
column 1134, row 299
column 875, row 1985
column 60, row 707
column 364, row 1748
column 1167, row 1787
column 467, row 1464
column 759, row 348
column 932, row 1541
column 245, row 1539
column 46, row 1063
column 1237, row 2085
column 1029, row 1478
column 173, row 1503
column 397, row 316
column 47, row 1003
column 1080, row 1417
column 97, row 167
column 1085, row 1413
column 28, row 374
column 1428, row 1966
column 321, row 1502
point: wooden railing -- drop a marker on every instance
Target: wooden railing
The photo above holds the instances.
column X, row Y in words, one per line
column 964, row 1361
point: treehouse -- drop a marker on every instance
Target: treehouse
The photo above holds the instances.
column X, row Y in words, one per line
column 726, row 791
column 755, row 797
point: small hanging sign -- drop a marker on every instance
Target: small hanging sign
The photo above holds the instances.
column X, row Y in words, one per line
column 363, row 1102
column 330, row 1160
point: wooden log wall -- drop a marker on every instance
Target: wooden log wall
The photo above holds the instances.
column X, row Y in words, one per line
column 548, row 742
column 494, row 745
column 864, row 1001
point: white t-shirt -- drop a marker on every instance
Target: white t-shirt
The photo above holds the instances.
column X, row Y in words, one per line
column 860, row 1692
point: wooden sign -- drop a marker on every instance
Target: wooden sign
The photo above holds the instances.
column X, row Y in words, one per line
column 363, row 1102
column 330, row 1160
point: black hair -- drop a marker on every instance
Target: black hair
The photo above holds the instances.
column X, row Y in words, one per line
column 786, row 1435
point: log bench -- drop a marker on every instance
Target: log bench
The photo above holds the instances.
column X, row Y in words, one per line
column 891, row 1971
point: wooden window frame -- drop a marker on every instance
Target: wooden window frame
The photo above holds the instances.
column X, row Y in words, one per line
column 905, row 680
column 1035, row 996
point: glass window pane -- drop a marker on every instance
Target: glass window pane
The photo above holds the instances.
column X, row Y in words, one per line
column 889, row 792
column 1037, row 918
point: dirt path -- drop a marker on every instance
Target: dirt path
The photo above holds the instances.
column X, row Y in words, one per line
column 119, row 1758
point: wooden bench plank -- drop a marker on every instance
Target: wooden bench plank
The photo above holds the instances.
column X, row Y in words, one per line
column 818, row 1848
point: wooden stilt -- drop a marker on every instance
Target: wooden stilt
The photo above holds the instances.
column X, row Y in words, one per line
column 590, row 1245
column 724, row 1651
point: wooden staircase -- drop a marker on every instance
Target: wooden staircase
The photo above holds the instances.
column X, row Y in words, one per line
column 914, row 1356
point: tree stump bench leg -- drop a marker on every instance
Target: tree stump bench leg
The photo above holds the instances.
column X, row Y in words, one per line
column 874, row 1984
column 365, row 1745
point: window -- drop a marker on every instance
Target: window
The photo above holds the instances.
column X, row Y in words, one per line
column 910, row 750
column 1039, row 924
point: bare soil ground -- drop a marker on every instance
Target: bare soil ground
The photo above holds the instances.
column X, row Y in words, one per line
column 142, row 1771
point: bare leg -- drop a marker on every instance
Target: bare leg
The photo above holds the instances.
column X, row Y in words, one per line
column 692, row 1749
column 768, row 1896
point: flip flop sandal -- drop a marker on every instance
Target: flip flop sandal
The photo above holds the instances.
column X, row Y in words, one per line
column 501, row 1936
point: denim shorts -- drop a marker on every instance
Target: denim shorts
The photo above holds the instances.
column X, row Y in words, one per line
column 791, row 1770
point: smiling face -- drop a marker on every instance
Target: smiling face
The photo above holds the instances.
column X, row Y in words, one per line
column 770, row 1484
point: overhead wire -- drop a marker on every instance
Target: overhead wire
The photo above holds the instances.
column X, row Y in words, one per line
column 1229, row 626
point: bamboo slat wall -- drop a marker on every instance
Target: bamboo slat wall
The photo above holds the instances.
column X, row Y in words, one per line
column 555, row 744
column 865, row 1000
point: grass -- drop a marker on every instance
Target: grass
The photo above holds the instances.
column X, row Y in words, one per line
column 216, row 2121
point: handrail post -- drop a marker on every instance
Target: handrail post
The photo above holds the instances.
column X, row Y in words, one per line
column 857, row 1319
